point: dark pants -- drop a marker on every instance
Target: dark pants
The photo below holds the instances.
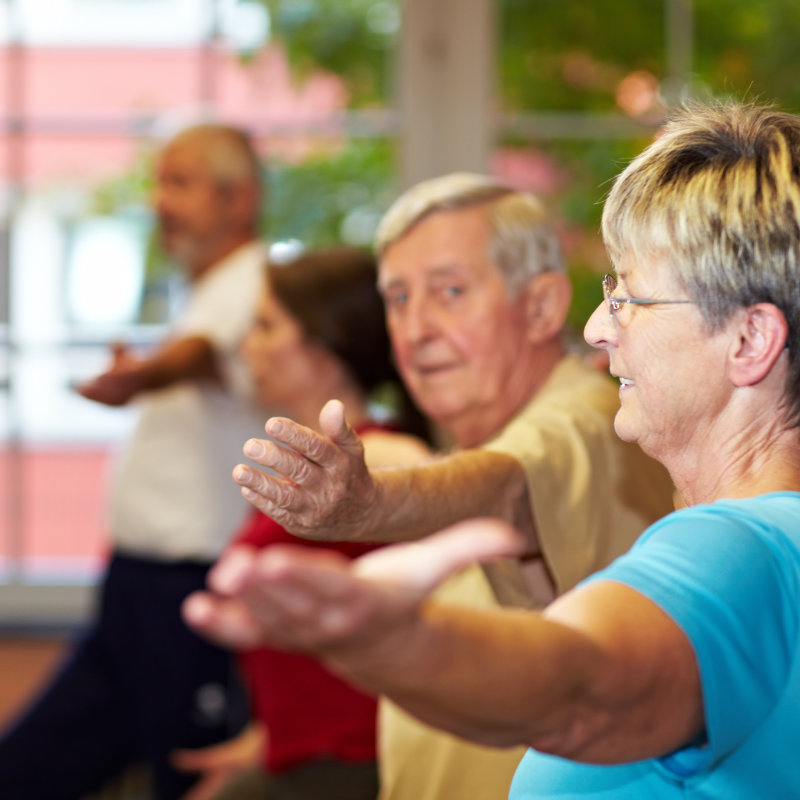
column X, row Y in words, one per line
column 136, row 686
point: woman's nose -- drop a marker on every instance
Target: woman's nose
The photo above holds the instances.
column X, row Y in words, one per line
column 600, row 330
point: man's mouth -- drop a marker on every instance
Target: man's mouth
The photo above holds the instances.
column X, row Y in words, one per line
column 428, row 370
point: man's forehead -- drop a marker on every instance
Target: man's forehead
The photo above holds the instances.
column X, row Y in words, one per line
column 183, row 156
column 394, row 272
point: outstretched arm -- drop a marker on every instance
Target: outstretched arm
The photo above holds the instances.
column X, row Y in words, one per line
column 324, row 490
column 585, row 680
column 191, row 357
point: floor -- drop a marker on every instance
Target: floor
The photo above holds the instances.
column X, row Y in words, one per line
column 25, row 661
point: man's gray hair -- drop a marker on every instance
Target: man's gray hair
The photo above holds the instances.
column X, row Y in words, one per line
column 228, row 151
column 524, row 242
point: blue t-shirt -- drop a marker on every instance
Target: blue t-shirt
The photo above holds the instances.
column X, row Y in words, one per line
column 728, row 574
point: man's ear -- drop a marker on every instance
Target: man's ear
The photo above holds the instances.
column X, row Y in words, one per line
column 547, row 299
column 240, row 202
column 761, row 331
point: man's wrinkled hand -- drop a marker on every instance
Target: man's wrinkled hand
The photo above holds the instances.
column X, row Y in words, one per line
column 322, row 488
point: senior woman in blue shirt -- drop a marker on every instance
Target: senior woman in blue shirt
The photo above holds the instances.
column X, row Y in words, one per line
column 675, row 671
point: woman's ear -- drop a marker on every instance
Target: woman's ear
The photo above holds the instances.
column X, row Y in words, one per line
column 547, row 300
column 761, row 331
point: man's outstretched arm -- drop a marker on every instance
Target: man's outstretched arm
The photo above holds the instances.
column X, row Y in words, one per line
column 187, row 358
column 324, row 490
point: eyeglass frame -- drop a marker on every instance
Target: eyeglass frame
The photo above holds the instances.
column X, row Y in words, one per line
column 614, row 304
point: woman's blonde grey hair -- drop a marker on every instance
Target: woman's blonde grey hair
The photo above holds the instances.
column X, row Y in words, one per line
column 718, row 193
column 524, row 242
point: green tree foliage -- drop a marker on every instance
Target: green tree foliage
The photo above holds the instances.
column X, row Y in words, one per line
column 351, row 38
column 570, row 54
column 553, row 57
column 749, row 50
column 329, row 199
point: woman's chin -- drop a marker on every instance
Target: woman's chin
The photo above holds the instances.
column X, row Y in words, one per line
column 623, row 427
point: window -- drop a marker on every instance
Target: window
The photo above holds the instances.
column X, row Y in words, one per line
column 87, row 89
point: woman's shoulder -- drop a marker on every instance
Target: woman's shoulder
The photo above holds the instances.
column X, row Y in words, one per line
column 766, row 514
column 715, row 544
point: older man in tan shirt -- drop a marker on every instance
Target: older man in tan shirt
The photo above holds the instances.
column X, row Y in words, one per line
column 476, row 302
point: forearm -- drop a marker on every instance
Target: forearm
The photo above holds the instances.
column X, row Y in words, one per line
column 510, row 677
column 188, row 358
column 497, row 679
column 413, row 502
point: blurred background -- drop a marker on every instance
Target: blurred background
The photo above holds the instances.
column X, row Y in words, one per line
column 349, row 101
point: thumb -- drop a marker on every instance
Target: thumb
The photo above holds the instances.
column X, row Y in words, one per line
column 119, row 352
column 423, row 565
column 333, row 424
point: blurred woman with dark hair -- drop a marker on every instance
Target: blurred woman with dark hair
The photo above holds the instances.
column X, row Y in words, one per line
column 320, row 333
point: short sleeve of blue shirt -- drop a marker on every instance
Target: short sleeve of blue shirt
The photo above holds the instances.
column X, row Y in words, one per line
column 727, row 574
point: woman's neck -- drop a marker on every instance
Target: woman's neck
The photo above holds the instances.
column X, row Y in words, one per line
column 741, row 470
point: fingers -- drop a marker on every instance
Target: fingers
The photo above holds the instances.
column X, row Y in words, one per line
column 319, row 601
column 422, row 566
column 196, row 760
column 279, row 499
column 118, row 350
column 103, row 390
column 255, row 480
column 228, row 575
column 333, row 424
column 302, row 440
column 240, row 751
column 321, row 488
column 303, row 599
column 210, row 786
column 297, row 585
column 222, row 620
column 299, row 460
column 285, row 594
column 332, row 421
column 84, row 389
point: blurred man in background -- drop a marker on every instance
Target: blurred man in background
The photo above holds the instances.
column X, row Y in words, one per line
column 139, row 684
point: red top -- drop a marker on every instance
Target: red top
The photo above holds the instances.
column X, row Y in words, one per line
column 308, row 711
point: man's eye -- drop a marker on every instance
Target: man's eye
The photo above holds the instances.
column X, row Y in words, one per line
column 396, row 299
column 452, row 292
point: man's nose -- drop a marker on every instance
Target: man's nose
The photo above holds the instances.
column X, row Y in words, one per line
column 158, row 197
column 246, row 345
column 420, row 322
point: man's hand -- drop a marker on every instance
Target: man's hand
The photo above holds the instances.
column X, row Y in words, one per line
column 187, row 358
column 323, row 489
column 117, row 385
column 220, row 763
column 316, row 601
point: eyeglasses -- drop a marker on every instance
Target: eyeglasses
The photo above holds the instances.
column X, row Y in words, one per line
column 619, row 308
